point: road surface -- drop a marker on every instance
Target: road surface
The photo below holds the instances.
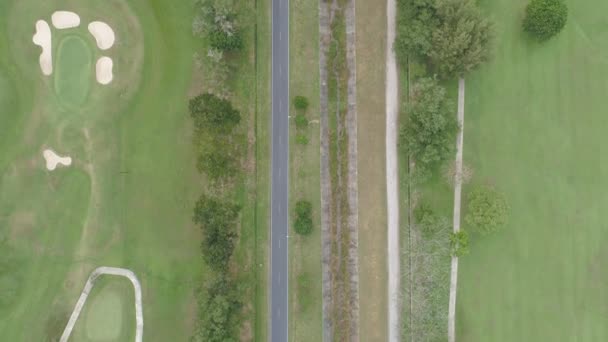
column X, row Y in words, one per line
column 279, row 216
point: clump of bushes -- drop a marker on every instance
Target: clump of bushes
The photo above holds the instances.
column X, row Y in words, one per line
column 301, row 103
column 545, row 18
column 487, row 210
column 303, row 223
column 459, row 243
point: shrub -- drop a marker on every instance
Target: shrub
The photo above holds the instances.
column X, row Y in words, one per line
column 213, row 113
column 301, row 139
column 303, row 223
column 429, row 133
column 487, row 210
column 217, row 165
column 225, row 41
column 301, row 121
column 300, row 102
column 545, row 18
column 459, row 243
column 218, row 220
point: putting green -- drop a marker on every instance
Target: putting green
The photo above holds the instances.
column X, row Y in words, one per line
column 105, row 315
column 73, row 70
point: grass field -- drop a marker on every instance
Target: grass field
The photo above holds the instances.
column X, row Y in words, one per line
column 536, row 128
column 127, row 199
column 305, row 252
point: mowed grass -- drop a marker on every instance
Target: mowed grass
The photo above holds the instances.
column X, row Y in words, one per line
column 127, row 201
column 536, row 129
column 305, row 316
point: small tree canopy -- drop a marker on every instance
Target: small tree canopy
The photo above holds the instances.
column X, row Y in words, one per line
column 545, row 18
column 212, row 112
column 303, row 223
column 429, row 133
column 301, row 121
column 300, row 102
column 451, row 36
column 217, row 164
column 217, row 220
column 487, row 210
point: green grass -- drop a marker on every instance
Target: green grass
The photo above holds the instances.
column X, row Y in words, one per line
column 127, row 200
column 535, row 128
column 109, row 313
column 73, row 72
column 305, row 315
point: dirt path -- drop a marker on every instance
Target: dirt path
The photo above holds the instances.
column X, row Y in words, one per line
column 139, row 317
column 392, row 179
column 456, row 224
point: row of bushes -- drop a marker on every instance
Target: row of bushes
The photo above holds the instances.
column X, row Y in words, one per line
column 220, row 148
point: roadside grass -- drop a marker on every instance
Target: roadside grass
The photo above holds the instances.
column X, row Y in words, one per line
column 371, row 135
column 535, row 129
column 305, row 251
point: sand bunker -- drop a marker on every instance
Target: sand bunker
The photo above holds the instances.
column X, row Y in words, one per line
column 103, row 69
column 52, row 160
column 103, row 34
column 65, row 20
column 42, row 38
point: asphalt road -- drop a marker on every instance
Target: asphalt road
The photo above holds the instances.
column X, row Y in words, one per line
column 279, row 227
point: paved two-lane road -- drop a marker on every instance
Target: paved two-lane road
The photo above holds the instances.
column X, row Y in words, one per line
column 279, row 219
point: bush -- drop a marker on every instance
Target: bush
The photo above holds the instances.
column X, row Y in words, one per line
column 218, row 220
column 225, row 41
column 300, row 102
column 217, row 165
column 301, row 139
column 429, row 133
column 301, row 121
column 545, row 18
column 303, row 223
column 219, row 313
column 213, row 113
column 487, row 210
column 459, row 243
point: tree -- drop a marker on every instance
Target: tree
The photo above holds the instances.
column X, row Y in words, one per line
column 545, row 18
column 451, row 36
column 218, row 313
column 429, row 132
column 225, row 41
column 303, row 223
column 300, row 102
column 301, row 121
column 462, row 39
column 459, row 243
column 487, row 210
column 212, row 112
column 217, row 220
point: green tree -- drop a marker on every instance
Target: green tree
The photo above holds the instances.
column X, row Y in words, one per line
column 213, row 113
column 429, row 132
column 217, row 220
column 487, row 210
column 451, row 36
column 219, row 313
column 545, row 18
column 301, row 139
column 217, row 20
column 300, row 102
column 301, row 121
column 225, row 41
column 459, row 243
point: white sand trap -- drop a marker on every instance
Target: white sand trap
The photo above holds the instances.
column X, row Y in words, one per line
column 103, row 70
column 52, row 160
column 103, row 34
column 65, row 20
column 42, row 38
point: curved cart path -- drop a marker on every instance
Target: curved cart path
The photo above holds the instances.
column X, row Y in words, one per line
column 457, row 196
column 122, row 272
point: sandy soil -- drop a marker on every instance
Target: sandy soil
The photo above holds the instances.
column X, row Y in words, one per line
column 53, row 159
column 103, row 70
column 65, row 20
column 103, row 34
column 122, row 272
column 392, row 178
column 42, row 38
column 457, row 197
